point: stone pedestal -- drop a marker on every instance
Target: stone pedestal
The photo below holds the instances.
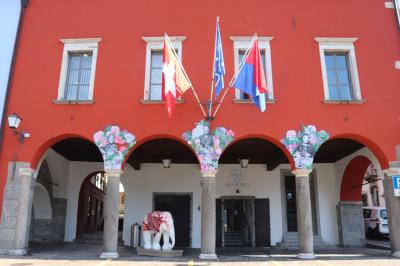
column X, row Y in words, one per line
column 159, row 253
column 304, row 216
column 110, row 234
column 351, row 224
column 208, row 216
column 393, row 211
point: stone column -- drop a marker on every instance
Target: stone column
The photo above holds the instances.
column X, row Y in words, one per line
column 208, row 216
column 304, row 216
column 27, row 178
column 393, row 210
column 111, row 201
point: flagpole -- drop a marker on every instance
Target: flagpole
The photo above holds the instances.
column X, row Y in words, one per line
column 235, row 76
column 213, row 73
column 184, row 73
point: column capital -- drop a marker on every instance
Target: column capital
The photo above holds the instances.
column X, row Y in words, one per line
column 392, row 171
column 113, row 172
column 301, row 172
column 209, row 173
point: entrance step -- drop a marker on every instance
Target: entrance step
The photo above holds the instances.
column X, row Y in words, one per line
column 95, row 238
column 291, row 241
column 233, row 239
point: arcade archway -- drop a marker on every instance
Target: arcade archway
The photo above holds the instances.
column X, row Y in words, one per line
column 55, row 196
column 162, row 173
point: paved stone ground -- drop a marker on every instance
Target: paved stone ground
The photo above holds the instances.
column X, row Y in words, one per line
column 87, row 255
column 379, row 243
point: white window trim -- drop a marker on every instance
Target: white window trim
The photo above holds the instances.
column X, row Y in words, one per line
column 77, row 45
column 340, row 45
column 157, row 43
column 242, row 43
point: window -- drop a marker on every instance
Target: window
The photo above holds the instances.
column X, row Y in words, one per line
column 364, row 198
column 156, row 65
column 339, row 69
column 367, row 213
column 383, row 214
column 98, row 181
column 78, row 70
column 339, row 81
column 375, row 196
column 153, row 71
column 241, row 44
column 78, row 76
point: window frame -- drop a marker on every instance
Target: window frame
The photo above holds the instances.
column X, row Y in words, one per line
column 80, row 45
column 241, row 43
column 340, row 45
column 157, row 44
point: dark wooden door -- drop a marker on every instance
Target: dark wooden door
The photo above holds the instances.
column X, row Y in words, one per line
column 262, row 222
column 179, row 207
column 218, row 223
column 291, row 210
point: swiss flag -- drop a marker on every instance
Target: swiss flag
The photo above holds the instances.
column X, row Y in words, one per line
column 174, row 79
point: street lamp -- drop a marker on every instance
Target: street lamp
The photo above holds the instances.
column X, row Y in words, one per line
column 13, row 122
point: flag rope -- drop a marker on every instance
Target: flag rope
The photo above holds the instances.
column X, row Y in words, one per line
column 184, row 72
column 235, row 76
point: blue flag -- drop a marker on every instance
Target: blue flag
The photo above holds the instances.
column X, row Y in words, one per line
column 219, row 66
column 251, row 78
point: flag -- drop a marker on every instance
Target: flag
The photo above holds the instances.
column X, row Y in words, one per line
column 174, row 79
column 219, row 66
column 251, row 78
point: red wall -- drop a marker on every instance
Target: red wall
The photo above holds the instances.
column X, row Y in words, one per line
column 352, row 180
column 119, row 82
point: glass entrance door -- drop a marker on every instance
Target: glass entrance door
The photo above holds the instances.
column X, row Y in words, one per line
column 238, row 222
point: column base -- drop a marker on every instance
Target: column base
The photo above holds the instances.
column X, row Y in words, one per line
column 396, row 254
column 109, row 255
column 306, row 256
column 208, row 256
column 18, row 252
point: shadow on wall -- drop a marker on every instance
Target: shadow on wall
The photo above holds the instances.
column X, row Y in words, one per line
column 48, row 213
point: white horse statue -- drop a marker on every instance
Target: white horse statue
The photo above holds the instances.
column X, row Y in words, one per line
column 158, row 223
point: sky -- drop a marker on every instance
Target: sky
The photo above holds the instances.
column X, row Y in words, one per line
column 9, row 15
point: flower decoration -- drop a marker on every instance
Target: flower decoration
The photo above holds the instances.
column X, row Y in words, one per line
column 208, row 146
column 114, row 145
column 303, row 145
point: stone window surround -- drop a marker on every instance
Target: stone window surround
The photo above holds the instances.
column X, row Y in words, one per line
column 157, row 44
column 77, row 45
column 241, row 43
column 340, row 45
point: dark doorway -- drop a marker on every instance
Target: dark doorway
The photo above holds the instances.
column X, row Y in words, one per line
column 291, row 213
column 290, row 199
column 179, row 207
column 242, row 222
column 237, row 222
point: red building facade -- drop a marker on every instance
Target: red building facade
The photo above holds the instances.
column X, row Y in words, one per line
column 299, row 38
